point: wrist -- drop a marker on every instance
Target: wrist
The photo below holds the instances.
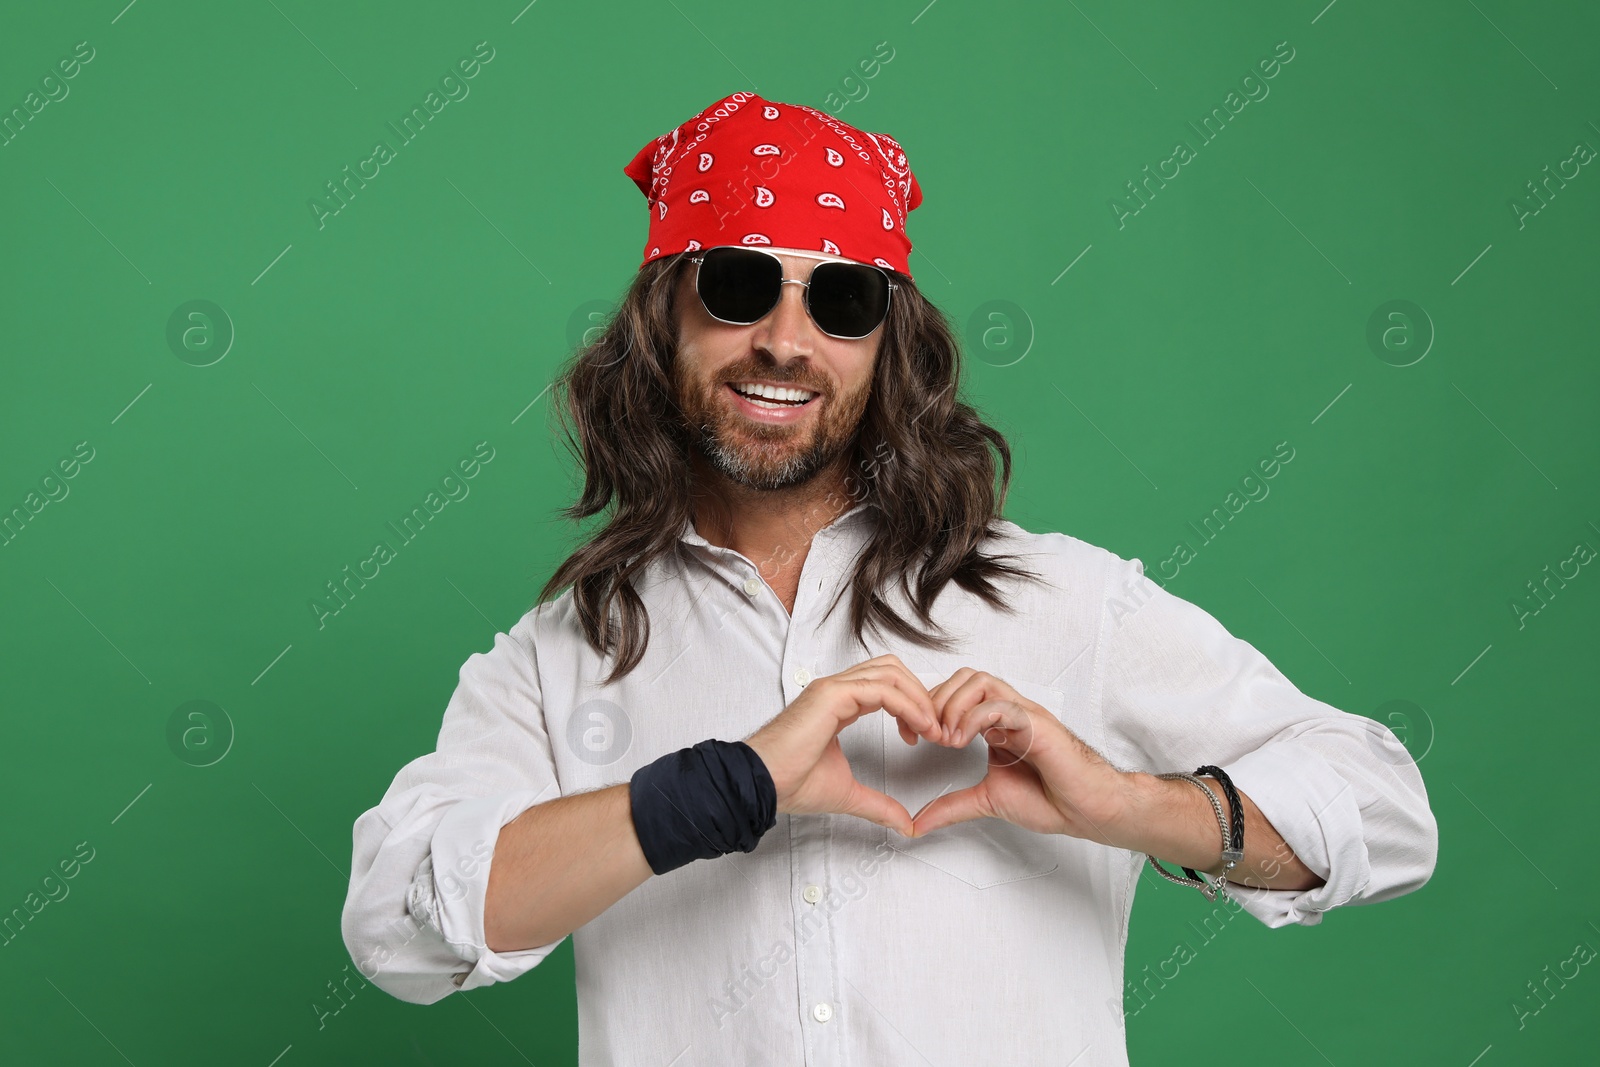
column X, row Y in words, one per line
column 767, row 758
column 1168, row 818
column 1137, row 796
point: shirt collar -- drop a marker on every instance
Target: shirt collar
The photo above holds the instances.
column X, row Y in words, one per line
column 855, row 519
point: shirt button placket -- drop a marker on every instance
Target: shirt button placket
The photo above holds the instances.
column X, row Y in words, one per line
column 816, row 968
column 814, row 945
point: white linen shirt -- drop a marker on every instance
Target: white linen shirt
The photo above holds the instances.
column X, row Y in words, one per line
column 837, row 941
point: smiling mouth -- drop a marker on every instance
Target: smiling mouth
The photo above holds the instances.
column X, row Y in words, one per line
column 774, row 398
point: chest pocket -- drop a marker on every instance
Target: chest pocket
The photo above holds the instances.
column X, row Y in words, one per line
column 980, row 852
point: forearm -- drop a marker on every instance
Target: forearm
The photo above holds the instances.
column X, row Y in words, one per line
column 558, row 865
column 1173, row 821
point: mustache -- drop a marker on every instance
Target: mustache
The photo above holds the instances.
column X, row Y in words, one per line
column 753, row 373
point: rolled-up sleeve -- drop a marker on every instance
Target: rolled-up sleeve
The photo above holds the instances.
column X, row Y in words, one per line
column 1179, row 691
column 413, row 918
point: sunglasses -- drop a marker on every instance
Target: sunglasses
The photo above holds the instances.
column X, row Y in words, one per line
column 740, row 286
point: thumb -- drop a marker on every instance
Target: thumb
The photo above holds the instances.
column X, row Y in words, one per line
column 876, row 807
column 951, row 808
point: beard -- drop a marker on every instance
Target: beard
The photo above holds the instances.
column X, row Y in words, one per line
column 768, row 456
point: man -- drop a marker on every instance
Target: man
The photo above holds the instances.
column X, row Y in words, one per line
column 804, row 635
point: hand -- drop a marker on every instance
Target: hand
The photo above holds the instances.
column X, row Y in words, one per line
column 801, row 745
column 1041, row 776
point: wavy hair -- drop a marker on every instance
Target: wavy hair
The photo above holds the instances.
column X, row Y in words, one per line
column 924, row 456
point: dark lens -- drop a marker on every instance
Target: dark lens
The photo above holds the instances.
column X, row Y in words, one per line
column 738, row 284
column 848, row 299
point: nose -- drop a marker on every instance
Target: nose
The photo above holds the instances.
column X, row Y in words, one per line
column 787, row 332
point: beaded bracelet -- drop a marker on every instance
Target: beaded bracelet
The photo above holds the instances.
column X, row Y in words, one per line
column 1232, row 837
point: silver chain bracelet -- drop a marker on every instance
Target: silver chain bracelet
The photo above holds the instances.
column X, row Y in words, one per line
column 1202, row 881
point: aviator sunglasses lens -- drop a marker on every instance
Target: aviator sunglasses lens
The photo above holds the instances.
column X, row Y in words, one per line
column 738, row 285
column 847, row 299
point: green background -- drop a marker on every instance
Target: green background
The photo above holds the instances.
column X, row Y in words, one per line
column 1138, row 387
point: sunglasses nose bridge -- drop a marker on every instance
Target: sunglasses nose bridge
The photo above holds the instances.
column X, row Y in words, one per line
column 805, row 295
column 786, row 324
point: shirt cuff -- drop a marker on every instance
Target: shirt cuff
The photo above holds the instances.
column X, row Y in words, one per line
column 1314, row 810
column 449, row 887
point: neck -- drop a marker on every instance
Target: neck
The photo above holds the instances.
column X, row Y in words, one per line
column 771, row 528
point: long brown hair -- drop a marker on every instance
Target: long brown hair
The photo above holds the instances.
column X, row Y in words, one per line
column 924, row 457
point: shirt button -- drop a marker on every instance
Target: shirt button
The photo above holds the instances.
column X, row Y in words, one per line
column 822, row 1012
column 812, row 894
column 752, row 586
column 802, row 677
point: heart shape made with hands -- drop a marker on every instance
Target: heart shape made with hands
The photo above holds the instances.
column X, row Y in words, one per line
column 1038, row 774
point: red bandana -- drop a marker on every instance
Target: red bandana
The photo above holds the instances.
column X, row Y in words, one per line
column 746, row 171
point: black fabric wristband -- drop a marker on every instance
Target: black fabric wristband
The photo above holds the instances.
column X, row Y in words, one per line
column 701, row 802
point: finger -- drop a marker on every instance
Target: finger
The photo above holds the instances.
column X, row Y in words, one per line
column 907, row 734
column 949, row 708
column 941, row 732
column 889, row 668
column 895, row 666
column 977, row 687
column 940, row 695
column 984, row 719
column 907, row 708
column 876, row 807
column 871, row 692
column 909, row 683
column 887, row 659
column 951, row 808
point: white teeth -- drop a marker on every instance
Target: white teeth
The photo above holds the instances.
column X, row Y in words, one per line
column 773, row 392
